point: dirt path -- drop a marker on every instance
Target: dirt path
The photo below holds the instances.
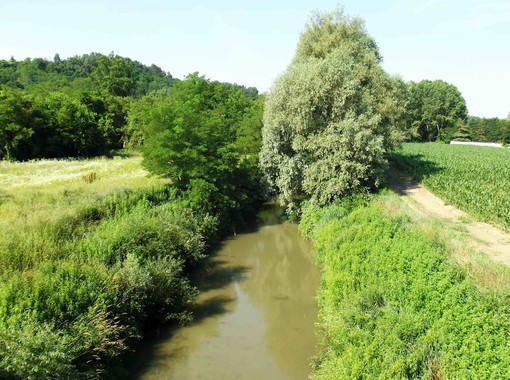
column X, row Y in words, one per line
column 487, row 238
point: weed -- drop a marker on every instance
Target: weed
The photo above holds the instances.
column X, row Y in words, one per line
column 394, row 305
column 90, row 177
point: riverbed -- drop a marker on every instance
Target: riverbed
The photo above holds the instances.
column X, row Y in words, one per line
column 255, row 315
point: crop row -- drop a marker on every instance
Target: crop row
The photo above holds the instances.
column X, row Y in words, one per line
column 473, row 178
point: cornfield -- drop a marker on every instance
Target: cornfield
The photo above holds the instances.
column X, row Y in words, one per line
column 473, row 178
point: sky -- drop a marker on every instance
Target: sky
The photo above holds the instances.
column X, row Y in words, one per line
column 463, row 42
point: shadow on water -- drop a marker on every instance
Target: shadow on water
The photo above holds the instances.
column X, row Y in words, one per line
column 150, row 346
column 269, row 214
column 213, row 274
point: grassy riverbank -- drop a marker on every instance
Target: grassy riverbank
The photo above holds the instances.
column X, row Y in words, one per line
column 393, row 302
column 91, row 253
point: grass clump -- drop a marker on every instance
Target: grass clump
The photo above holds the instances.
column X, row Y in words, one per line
column 393, row 305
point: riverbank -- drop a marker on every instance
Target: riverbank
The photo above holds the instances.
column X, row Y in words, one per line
column 394, row 303
column 254, row 317
column 93, row 253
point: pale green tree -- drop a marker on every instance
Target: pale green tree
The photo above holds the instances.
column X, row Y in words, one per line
column 330, row 119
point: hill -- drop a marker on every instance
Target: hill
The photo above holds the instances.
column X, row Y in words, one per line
column 79, row 106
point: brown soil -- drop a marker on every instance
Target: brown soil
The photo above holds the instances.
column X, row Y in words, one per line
column 485, row 237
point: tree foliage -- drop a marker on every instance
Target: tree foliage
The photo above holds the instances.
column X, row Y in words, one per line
column 118, row 75
column 489, row 129
column 200, row 136
column 54, row 124
column 434, row 109
column 15, row 119
column 72, row 107
column 330, row 118
column 462, row 133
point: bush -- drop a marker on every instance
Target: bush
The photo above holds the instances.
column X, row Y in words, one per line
column 31, row 350
column 146, row 233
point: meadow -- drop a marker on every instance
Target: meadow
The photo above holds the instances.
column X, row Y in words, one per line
column 394, row 303
column 38, row 195
column 475, row 179
column 91, row 253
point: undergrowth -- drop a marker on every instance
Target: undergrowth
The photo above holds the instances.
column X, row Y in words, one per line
column 394, row 306
column 85, row 272
column 72, row 307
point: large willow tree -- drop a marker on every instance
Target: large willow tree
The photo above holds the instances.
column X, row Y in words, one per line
column 331, row 117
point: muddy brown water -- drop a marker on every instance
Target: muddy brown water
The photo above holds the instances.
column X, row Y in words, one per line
column 255, row 314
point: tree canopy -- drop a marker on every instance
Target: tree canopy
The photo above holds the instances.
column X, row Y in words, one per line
column 489, row 129
column 204, row 136
column 332, row 116
column 434, row 109
column 72, row 107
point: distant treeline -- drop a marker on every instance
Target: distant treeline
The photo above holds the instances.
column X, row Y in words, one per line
column 436, row 110
column 489, row 129
column 74, row 107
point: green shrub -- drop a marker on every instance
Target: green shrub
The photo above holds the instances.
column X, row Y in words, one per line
column 32, row 350
column 146, row 233
column 116, row 204
column 109, row 271
column 393, row 306
column 55, row 292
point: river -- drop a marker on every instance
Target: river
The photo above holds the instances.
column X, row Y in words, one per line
column 254, row 317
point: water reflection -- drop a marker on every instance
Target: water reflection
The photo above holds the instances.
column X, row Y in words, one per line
column 255, row 316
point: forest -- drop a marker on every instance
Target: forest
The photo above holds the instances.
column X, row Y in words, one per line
column 87, row 269
column 81, row 106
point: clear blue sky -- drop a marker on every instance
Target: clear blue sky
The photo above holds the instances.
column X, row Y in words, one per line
column 464, row 42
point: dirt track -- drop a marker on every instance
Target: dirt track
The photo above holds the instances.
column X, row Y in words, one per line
column 487, row 238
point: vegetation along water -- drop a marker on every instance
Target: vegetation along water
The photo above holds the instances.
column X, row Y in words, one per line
column 255, row 314
column 97, row 252
column 394, row 303
column 94, row 253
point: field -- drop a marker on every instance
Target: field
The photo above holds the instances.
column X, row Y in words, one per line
column 39, row 194
column 91, row 253
column 473, row 178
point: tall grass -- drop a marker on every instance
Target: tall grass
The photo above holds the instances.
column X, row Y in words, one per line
column 39, row 199
column 392, row 303
column 88, row 261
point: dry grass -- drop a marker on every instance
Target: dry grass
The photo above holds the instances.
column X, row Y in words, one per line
column 436, row 371
column 55, row 173
column 35, row 195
